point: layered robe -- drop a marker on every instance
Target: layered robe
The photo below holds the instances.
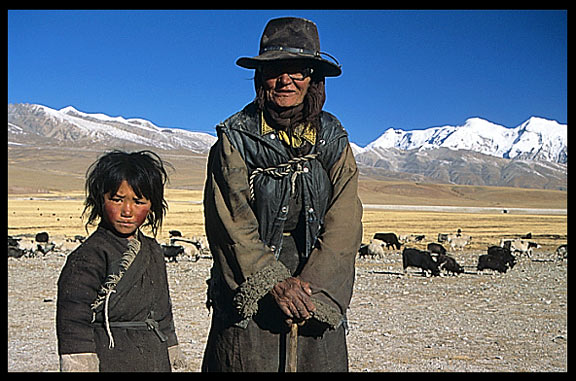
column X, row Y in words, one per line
column 128, row 321
column 254, row 249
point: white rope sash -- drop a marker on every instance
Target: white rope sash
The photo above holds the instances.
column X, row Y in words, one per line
column 294, row 166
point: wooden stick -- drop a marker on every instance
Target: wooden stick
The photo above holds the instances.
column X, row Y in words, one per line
column 293, row 349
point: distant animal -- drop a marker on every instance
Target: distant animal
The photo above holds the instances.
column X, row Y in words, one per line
column 29, row 246
column 519, row 245
column 459, row 243
column 13, row 241
column 194, row 247
column 491, row 262
column 436, row 248
column 498, row 258
column 504, row 254
column 391, row 239
column 376, row 248
column 42, row 237
column 562, row 252
column 449, row 264
column 412, row 257
column 363, row 250
column 417, row 237
column 46, row 247
column 14, row 249
column 406, row 238
column 442, row 237
column 171, row 252
column 15, row 252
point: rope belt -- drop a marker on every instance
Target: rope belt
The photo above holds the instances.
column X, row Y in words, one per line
column 293, row 166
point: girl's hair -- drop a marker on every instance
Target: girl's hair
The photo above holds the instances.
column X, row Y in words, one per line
column 144, row 171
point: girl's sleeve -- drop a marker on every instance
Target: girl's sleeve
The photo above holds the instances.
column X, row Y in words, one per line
column 77, row 289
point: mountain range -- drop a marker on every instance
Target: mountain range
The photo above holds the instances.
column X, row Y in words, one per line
column 30, row 124
column 535, row 139
column 532, row 155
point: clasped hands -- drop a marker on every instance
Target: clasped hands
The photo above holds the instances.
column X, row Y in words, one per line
column 293, row 296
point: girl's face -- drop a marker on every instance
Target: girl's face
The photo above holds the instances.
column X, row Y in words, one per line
column 124, row 211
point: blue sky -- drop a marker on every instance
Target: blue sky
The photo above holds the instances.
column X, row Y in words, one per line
column 403, row 69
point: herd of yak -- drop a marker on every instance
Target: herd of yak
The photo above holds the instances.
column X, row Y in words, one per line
column 42, row 244
column 434, row 260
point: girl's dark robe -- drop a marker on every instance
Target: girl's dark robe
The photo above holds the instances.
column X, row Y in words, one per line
column 141, row 294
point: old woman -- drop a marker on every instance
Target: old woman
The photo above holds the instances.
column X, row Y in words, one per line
column 282, row 216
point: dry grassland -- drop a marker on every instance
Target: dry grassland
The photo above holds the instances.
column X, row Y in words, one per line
column 407, row 193
column 60, row 215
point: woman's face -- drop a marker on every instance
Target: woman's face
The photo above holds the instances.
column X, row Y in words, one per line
column 124, row 210
column 286, row 82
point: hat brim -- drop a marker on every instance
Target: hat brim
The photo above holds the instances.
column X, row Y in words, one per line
column 326, row 68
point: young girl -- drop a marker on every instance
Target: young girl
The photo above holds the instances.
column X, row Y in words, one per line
column 114, row 311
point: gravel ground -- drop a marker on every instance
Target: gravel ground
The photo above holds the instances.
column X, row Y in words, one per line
column 474, row 322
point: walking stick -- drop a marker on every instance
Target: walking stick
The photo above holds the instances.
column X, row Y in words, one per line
column 293, row 349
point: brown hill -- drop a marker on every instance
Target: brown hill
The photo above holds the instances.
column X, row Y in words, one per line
column 58, row 169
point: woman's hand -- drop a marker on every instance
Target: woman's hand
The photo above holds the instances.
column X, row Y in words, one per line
column 293, row 296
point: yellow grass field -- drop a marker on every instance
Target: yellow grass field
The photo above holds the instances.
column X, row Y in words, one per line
column 60, row 215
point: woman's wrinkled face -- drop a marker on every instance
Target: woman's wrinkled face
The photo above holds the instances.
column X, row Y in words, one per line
column 286, row 82
column 124, row 210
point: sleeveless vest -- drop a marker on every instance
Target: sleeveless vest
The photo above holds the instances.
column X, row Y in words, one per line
column 273, row 171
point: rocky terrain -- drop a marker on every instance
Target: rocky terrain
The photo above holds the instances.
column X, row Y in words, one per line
column 474, row 322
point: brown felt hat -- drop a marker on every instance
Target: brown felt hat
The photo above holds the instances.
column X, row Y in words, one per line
column 292, row 38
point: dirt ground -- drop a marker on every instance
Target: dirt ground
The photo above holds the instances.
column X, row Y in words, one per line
column 474, row 322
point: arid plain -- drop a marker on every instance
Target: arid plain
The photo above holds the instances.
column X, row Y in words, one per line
column 477, row 321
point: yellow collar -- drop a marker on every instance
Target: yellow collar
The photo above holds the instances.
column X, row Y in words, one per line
column 300, row 133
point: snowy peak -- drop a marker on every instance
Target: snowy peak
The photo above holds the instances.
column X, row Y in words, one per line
column 535, row 139
column 37, row 124
column 143, row 123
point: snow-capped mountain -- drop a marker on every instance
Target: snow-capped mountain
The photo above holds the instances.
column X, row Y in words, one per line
column 533, row 154
column 30, row 124
column 535, row 139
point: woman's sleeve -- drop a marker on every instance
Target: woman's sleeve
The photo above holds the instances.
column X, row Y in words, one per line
column 330, row 269
column 247, row 264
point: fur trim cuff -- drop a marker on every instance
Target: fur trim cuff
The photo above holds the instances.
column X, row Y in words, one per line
column 327, row 314
column 256, row 286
